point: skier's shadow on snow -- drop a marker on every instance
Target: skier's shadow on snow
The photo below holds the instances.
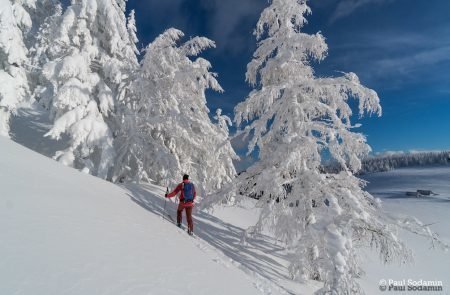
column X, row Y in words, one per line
column 256, row 255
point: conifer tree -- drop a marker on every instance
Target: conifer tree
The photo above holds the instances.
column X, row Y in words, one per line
column 294, row 121
column 87, row 54
column 169, row 130
column 15, row 22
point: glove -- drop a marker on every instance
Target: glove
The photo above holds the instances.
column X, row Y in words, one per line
column 165, row 195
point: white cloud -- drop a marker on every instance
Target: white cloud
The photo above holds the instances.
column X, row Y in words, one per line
column 396, row 58
column 347, row 7
column 227, row 19
column 409, row 64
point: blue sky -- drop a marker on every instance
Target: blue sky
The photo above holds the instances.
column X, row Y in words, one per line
column 400, row 48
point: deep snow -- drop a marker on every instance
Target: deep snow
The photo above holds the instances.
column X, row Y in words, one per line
column 64, row 232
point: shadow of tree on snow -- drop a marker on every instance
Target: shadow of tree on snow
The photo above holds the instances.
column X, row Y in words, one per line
column 255, row 256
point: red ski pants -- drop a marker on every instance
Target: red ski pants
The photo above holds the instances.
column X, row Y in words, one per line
column 190, row 222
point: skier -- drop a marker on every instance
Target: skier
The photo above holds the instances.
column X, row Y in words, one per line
column 187, row 198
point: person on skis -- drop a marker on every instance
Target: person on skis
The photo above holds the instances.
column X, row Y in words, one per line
column 187, row 198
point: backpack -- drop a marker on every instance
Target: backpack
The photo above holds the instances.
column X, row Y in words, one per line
column 188, row 192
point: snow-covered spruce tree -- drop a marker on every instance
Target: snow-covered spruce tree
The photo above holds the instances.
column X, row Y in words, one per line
column 295, row 121
column 48, row 18
column 169, row 131
column 38, row 11
column 43, row 10
column 15, row 22
column 89, row 55
column 223, row 121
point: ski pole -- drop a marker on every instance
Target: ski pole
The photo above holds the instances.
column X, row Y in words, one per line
column 165, row 200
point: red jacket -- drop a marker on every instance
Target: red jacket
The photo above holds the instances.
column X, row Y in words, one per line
column 178, row 189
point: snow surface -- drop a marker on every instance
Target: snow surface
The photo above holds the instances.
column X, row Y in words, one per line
column 64, row 232
column 429, row 264
column 390, row 187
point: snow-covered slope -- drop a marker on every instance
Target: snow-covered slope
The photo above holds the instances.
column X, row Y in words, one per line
column 64, row 232
column 390, row 187
column 267, row 259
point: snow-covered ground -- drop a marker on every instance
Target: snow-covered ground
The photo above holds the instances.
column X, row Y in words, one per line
column 261, row 257
column 429, row 264
column 64, row 232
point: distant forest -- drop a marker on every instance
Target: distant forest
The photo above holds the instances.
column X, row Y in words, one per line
column 389, row 162
column 383, row 163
